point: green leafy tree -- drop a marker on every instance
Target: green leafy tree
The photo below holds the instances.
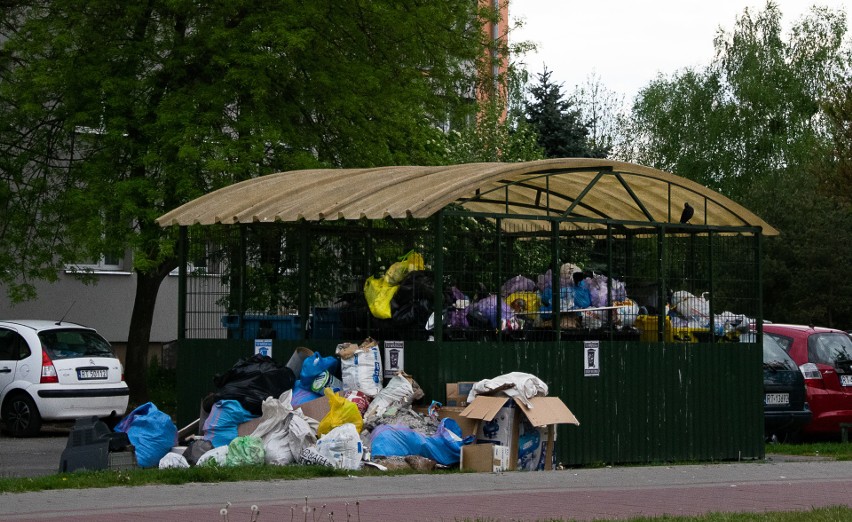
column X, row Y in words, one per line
column 560, row 128
column 752, row 126
column 836, row 174
column 116, row 112
column 499, row 132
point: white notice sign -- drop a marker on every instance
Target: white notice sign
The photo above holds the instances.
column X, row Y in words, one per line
column 591, row 359
column 394, row 358
column 263, row 347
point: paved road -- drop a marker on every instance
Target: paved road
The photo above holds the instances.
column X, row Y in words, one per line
column 582, row 494
column 34, row 456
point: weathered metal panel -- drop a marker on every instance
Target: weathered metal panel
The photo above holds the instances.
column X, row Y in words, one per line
column 650, row 403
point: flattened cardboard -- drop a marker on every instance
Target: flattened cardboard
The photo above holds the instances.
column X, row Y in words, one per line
column 547, row 411
column 457, row 393
column 316, row 409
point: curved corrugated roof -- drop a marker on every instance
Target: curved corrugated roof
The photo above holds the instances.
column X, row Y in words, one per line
column 574, row 187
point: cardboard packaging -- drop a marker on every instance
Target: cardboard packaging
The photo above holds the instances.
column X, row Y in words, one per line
column 457, row 393
column 529, row 433
column 485, row 458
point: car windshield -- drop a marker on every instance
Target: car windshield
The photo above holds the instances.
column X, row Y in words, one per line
column 68, row 344
column 829, row 348
column 774, row 356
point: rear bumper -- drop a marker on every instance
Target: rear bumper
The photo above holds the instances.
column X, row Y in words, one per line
column 786, row 421
column 84, row 393
column 67, row 402
column 829, row 422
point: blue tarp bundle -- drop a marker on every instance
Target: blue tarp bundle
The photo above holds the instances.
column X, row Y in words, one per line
column 444, row 447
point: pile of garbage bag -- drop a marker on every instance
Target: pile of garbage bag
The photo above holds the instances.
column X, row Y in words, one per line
column 355, row 418
column 256, row 416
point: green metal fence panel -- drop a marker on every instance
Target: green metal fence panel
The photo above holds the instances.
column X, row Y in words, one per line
column 650, row 403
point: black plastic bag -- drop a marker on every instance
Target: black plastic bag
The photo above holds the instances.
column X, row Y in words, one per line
column 251, row 380
column 196, row 449
column 413, row 302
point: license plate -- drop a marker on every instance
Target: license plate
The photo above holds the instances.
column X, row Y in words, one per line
column 846, row 380
column 89, row 374
column 777, row 399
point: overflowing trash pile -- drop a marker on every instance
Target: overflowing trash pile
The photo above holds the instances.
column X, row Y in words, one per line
column 401, row 300
column 337, row 411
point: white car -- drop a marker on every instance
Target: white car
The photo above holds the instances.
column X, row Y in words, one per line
column 56, row 371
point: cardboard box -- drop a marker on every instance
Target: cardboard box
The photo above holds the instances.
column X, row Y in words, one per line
column 485, row 458
column 457, row 393
column 317, row 408
column 529, row 432
column 468, row 426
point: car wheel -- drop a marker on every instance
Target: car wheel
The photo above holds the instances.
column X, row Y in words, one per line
column 20, row 416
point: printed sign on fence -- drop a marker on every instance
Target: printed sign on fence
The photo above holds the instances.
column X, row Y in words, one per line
column 263, row 347
column 394, row 358
column 591, row 358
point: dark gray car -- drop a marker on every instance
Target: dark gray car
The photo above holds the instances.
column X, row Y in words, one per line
column 785, row 409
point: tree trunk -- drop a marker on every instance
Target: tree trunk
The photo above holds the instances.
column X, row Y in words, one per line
column 139, row 335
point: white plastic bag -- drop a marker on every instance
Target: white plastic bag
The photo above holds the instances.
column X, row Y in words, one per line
column 363, row 370
column 696, row 310
column 216, row 456
column 516, row 384
column 342, row 447
column 627, row 312
column 173, row 460
column 283, row 432
column 399, row 392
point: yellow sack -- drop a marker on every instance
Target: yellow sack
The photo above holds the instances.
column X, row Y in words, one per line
column 408, row 263
column 379, row 293
column 342, row 411
column 532, row 301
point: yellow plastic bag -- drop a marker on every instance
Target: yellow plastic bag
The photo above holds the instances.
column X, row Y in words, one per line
column 378, row 293
column 530, row 302
column 408, row 263
column 342, row 411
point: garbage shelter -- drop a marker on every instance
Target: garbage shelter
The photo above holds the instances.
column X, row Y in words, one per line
column 623, row 288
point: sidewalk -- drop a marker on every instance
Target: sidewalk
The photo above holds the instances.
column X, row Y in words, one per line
column 584, row 494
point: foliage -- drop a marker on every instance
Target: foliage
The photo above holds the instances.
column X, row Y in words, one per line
column 602, row 111
column 115, row 113
column 836, row 175
column 499, row 132
column 162, row 383
column 754, row 126
column 561, row 132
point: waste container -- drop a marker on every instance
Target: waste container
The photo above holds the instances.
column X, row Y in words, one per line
column 326, row 323
column 263, row 326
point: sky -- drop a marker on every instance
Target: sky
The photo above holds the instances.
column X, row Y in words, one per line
column 626, row 43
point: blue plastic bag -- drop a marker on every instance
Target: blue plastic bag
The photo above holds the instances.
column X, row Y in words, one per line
column 302, row 395
column 315, row 365
column 220, row 427
column 151, row 432
column 582, row 295
column 444, row 447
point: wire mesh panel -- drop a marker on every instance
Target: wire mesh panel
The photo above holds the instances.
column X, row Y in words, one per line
column 499, row 281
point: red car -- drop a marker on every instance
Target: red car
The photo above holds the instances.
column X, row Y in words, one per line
column 824, row 356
